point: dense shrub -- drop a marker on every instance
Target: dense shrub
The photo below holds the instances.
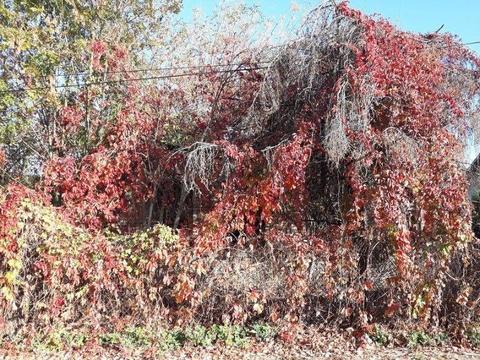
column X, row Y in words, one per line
column 326, row 188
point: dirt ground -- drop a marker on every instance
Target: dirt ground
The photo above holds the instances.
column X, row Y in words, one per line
column 265, row 351
column 275, row 351
column 308, row 343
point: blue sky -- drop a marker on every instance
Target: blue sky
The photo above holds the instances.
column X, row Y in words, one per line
column 460, row 17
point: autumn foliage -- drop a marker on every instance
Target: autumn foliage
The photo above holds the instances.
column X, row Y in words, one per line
column 324, row 187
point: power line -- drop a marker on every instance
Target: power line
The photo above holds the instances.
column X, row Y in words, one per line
column 87, row 72
column 133, row 79
column 139, row 70
column 471, row 43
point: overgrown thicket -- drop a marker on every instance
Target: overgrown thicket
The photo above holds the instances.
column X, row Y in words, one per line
column 316, row 181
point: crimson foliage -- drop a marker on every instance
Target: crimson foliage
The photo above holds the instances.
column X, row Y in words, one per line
column 356, row 168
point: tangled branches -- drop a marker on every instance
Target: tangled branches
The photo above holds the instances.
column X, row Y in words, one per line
column 338, row 164
column 200, row 166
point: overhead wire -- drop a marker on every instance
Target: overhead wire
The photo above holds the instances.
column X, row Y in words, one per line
column 140, row 70
column 92, row 83
column 154, row 69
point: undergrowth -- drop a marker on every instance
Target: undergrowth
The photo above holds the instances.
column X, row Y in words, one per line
column 138, row 337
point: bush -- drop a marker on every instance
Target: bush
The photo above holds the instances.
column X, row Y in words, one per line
column 380, row 336
column 473, row 336
column 313, row 193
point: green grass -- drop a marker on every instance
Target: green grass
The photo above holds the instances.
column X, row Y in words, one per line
column 171, row 339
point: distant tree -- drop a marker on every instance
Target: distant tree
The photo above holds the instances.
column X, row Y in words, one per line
column 50, row 51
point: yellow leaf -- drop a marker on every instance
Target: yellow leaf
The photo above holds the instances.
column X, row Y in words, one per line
column 7, row 293
column 10, row 277
column 258, row 308
column 14, row 264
